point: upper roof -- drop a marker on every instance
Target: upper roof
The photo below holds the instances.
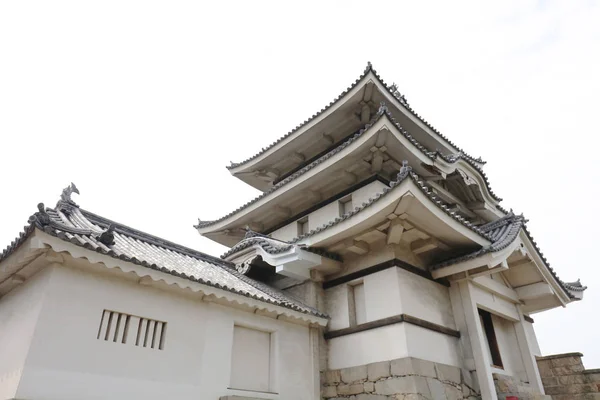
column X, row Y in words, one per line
column 72, row 224
column 383, row 112
column 392, row 90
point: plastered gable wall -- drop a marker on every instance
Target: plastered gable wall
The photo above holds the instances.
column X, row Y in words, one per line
column 67, row 361
column 19, row 312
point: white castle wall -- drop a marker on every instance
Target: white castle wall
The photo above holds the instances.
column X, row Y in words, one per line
column 19, row 311
column 67, row 361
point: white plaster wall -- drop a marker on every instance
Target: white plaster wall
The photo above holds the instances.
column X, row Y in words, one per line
column 432, row 346
column 287, row 232
column 19, row 310
column 381, row 344
column 425, row 299
column 337, row 307
column 509, row 347
column 382, row 295
column 494, row 304
column 66, row 361
column 328, row 212
column 364, row 193
column 530, row 331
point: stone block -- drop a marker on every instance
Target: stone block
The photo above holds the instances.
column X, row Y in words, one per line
column 448, row 373
column 545, row 369
column 347, row 390
column 595, row 377
column 567, row 370
column 553, row 381
column 571, row 389
column 412, row 366
column 354, row 374
column 404, row 384
column 328, row 391
column 369, row 387
column 332, row 376
column 436, row 388
column 378, row 370
column 453, row 393
column 564, row 361
column 571, row 379
column 504, row 383
column 370, row 397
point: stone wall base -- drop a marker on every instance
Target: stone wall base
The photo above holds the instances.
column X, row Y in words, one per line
column 565, row 378
column 400, row 379
column 509, row 386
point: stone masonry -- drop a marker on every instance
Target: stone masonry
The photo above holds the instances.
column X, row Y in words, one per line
column 565, row 378
column 400, row 379
column 510, row 386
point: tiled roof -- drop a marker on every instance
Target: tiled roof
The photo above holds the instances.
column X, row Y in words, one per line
column 83, row 228
column 273, row 246
column 391, row 89
column 383, row 110
column 503, row 232
column 405, row 172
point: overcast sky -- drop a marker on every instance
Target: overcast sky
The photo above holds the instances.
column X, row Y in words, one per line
column 143, row 103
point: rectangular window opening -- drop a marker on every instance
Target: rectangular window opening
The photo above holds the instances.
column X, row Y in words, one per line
column 115, row 327
column 251, row 360
column 345, row 205
column 356, row 302
column 303, row 226
column 490, row 335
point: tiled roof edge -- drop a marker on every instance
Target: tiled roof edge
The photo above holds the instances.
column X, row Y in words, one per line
column 405, row 172
column 39, row 221
column 368, row 69
column 383, row 110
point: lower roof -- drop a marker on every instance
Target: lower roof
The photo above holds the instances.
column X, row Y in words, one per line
column 72, row 224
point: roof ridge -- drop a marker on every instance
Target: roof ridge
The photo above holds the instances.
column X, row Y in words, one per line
column 383, row 110
column 158, row 241
column 393, row 90
column 405, row 172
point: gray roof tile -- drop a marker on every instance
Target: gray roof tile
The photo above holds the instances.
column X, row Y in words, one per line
column 83, row 228
column 392, row 89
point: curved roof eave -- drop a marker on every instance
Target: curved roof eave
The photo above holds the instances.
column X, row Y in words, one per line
column 383, row 111
column 403, row 175
column 369, row 70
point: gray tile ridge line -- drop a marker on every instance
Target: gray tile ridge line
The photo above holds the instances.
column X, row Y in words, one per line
column 368, row 69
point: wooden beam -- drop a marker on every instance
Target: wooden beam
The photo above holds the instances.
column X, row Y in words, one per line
column 496, row 288
column 365, row 113
column 282, row 211
column 534, row 291
column 327, row 139
column 298, row 157
column 404, row 204
column 356, row 246
column 424, row 245
column 368, row 92
column 377, row 161
column 395, row 230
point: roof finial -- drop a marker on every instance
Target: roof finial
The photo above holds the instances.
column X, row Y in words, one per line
column 399, row 96
column 107, row 237
column 404, row 171
column 41, row 217
column 369, row 67
column 67, row 192
column 382, row 108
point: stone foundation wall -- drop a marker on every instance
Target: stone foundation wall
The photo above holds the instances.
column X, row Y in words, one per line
column 565, row 378
column 509, row 386
column 400, row 379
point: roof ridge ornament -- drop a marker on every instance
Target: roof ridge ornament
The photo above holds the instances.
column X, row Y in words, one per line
column 107, row 237
column 399, row 96
column 383, row 109
column 369, row 67
column 66, row 202
column 404, row 171
column 41, row 217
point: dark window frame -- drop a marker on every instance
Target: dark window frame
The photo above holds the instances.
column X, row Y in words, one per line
column 490, row 334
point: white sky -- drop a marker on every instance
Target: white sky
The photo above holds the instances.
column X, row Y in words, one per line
column 143, row 103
